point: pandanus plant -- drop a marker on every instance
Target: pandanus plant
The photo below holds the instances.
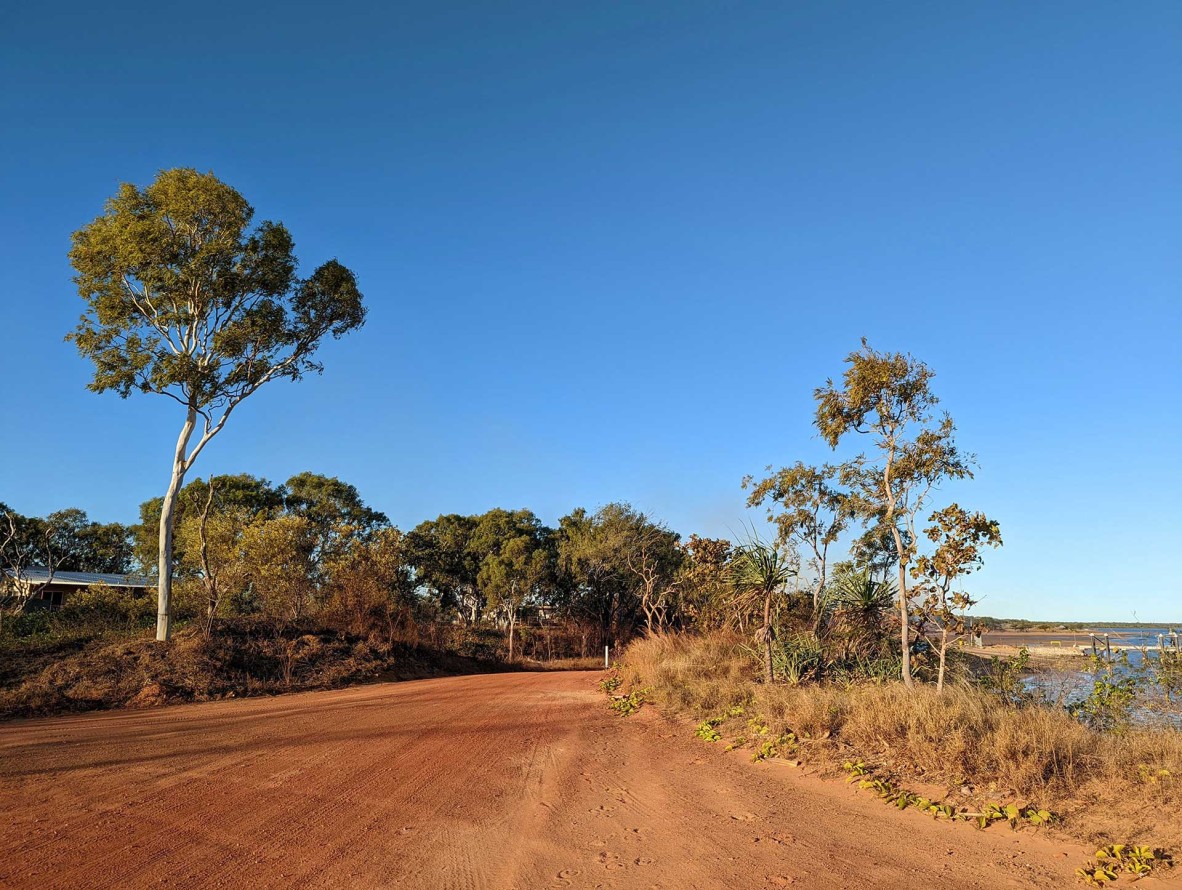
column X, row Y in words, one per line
column 862, row 602
column 760, row 574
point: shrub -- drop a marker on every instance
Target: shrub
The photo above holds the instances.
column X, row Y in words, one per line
column 102, row 607
column 1109, row 706
column 29, row 624
column 57, row 673
column 1003, row 677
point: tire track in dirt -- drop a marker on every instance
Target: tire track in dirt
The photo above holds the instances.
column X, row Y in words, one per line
column 474, row 783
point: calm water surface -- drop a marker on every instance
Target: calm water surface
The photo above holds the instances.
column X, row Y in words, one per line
column 1067, row 681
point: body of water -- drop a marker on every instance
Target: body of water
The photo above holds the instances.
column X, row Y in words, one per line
column 1066, row 681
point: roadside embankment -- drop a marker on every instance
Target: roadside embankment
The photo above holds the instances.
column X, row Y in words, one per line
column 965, row 746
column 242, row 658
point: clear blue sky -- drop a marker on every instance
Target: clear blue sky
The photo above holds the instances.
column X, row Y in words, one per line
column 610, row 249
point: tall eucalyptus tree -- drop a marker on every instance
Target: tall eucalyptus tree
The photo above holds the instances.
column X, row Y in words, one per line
column 888, row 397
column 186, row 299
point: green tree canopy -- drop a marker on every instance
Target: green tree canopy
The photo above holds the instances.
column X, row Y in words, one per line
column 444, row 563
column 327, row 501
column 615, row 561
column 516, row 562
column 68, row 541
column 810, row 510
column 237, row 494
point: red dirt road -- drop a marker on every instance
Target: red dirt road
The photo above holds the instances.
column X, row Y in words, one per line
column 493, row 781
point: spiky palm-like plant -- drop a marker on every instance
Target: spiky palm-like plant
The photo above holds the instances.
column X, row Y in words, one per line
column 760, row 574
column 863, row 601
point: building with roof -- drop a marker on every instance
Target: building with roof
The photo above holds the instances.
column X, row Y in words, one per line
column 42, row 589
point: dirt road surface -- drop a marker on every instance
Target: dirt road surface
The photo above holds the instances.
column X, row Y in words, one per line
column 493, row 781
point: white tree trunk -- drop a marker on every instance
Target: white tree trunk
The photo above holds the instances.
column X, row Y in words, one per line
column 943, row 656
column 904, row 617
column 167, row 521
column 819, row 589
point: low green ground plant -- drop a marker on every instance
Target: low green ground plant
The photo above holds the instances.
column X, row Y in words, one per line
column 1114, row 860
column 890, row 791
column 628, row 704
column 707, row 730
column 610, row 684
column 781, row 746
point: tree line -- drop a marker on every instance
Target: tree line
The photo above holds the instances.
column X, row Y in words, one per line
column 66, row 540
column 312, row 547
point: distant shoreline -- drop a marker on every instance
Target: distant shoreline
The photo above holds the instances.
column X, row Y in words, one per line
column 1063, row 643
column 1028, row 625
column 1045, row 637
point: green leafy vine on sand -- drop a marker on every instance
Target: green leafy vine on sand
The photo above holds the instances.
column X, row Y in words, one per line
column 623, row 704
column 626, row 705
column 708, row 729
column 758, row 730
column 707, row 732
column 1117, row 859
column 890, row 792
column 785, row 743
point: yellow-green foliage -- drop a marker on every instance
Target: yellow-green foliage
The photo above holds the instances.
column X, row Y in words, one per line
column 626, row 705
column 707, row 732
column 610, row 684
column 890, row 792
column 1116, row 859
column 781, row 746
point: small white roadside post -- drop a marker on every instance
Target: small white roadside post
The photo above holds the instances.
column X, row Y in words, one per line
column 606, row 649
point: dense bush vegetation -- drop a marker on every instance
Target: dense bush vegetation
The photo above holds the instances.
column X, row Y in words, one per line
column 311, row 548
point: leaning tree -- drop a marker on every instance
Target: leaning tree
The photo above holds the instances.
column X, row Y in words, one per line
column 186, row 298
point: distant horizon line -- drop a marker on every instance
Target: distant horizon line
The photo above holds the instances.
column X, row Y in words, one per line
column 1177, row 623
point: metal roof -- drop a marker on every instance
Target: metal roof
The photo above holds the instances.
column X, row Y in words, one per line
column 40, row 575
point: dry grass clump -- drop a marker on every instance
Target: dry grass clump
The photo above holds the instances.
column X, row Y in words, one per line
column 694, row 674
column 1107, row 786
column 561, row 664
